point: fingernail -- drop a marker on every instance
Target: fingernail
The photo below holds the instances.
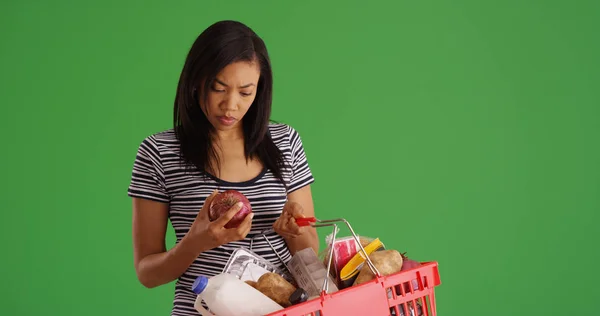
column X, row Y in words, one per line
column 239, row 204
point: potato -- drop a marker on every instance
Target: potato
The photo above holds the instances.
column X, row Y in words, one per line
column 251, row 283
column 364, row 242
column 386, row 261
column 276, row 288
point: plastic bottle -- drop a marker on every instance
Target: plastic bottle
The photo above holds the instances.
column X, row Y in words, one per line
column 226, row 295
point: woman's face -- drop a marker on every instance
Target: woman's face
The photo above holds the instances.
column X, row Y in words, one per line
column 231, row 95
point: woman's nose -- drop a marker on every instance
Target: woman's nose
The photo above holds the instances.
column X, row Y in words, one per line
column 229, row 103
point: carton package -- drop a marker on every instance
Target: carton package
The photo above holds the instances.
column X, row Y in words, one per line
column 309, row 272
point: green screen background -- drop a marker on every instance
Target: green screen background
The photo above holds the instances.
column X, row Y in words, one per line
column 463, row 132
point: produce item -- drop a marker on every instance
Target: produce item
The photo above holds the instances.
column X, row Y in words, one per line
column 276, row 288
column 408, row 264
column 352, row 268
column 344, row 249
column 387, row 261
column 365, row 241
column 224, row 201
column 226, row 295
column 251, row 283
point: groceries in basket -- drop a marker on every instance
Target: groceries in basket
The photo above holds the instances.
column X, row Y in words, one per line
column 310, row 273
column 226, row 295
column 262, row 287
column 408, row 310
column 346, row 256
column 343, row 251
column 275, row 287
column 249, row 266
column 264, row 276
column 387, row 262
column 350, row 267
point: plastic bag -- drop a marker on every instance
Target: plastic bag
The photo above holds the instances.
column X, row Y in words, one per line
column 249, row 266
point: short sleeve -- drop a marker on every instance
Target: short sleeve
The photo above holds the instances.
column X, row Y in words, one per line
column 147, row 177
column 301, row 173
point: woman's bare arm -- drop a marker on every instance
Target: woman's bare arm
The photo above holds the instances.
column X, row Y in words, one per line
column 155, row 265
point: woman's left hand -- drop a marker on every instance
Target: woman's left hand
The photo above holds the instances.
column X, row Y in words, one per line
column 286, row 225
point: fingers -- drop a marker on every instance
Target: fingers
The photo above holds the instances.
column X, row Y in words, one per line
column 277, row 225
column 296, row 211
column 292, row 227
column 203, row 214
column 280, row 228
column 239, row 232
column 210, row 198
column 225, row 218
column 286, row 226
column 245, row 226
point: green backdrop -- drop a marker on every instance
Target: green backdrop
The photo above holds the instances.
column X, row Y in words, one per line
column 464, row 132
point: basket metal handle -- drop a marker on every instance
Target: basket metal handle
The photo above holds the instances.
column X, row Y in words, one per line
column 311, row 221
column 314, row 222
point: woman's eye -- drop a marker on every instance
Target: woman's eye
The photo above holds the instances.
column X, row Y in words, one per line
column 245, row 94
column 217, row 90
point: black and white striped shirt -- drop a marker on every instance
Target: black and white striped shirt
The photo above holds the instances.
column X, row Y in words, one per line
column 158, row 175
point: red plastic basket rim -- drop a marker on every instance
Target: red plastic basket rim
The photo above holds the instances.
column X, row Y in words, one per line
column 391, row 280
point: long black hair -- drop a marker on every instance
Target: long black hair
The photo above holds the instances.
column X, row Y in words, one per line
column 221, row 44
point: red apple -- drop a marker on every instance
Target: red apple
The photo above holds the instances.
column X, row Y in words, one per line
column 224, row 201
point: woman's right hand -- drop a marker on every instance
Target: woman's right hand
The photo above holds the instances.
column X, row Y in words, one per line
column 213, row 234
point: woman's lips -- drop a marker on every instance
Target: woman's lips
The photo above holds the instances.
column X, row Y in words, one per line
column 226, row 120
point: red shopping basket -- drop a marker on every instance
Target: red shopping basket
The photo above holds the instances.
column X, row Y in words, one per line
column 406, row 293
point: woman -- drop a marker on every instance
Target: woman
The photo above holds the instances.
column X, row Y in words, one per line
column 222, row 139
